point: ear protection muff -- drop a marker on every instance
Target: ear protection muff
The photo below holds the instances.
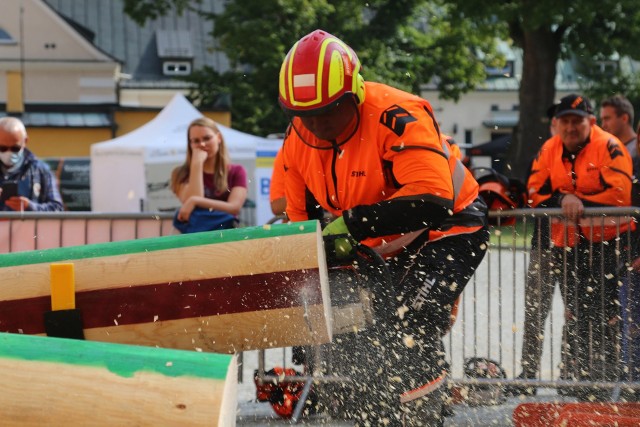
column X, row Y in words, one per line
column 359, row 90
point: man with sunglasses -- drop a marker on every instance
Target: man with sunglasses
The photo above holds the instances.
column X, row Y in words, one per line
column 373, row 157
column 27, row 182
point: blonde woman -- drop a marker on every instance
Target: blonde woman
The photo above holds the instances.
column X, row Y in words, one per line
column 207, row 180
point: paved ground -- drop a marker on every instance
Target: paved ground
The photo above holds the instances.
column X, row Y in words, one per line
column 253, row 413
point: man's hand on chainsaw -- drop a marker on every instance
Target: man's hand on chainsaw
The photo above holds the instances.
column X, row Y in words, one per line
column 337, row 226
column 338, row 230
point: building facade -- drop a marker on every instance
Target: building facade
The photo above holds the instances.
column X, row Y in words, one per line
column 80, row 72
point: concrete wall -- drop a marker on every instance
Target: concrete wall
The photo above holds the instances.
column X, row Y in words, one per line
column 469, row 113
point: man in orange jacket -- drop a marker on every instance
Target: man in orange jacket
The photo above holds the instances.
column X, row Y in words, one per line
column 584, row 166
column 372, row 156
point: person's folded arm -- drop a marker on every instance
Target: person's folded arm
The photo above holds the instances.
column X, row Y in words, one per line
column 424, row 199
column 233, row 205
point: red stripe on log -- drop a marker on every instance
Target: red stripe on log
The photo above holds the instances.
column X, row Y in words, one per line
column 172, row 301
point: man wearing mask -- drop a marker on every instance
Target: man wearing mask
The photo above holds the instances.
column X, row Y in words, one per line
column 31, row 183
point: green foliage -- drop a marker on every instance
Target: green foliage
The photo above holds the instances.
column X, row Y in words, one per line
column 589, row 29
column 404, row 43
column 407, row 43
column 599, row 83
column 256, row 35
column 547, row 30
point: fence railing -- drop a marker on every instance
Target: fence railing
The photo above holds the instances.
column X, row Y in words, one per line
column 491, row 317
column 27, row 231
column 492, row 321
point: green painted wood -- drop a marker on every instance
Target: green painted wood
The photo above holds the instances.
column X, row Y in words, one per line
column 152, row 244
column 120, row 359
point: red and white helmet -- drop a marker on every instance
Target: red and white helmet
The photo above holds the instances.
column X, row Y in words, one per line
column 318, row 72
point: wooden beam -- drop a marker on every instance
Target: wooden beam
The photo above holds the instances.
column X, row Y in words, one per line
column 224, row 291
column 57, row 381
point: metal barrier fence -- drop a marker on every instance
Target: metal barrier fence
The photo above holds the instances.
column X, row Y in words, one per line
column 33, row 230
column 491, row 317
column 26, row 231
column 492, row 320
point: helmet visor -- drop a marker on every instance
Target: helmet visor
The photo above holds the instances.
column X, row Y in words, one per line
column 330, row 129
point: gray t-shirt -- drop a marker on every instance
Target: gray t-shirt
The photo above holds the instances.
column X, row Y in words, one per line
column 632, row 147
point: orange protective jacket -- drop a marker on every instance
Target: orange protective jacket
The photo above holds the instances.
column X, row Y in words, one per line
column 391, row 180
column 600, row 174
column 454, row 148
column 276, row 187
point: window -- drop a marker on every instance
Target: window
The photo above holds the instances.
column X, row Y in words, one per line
column 506, row 71
column 607, row 68
column 5, row 38
column 176, row 68
column 468, row 136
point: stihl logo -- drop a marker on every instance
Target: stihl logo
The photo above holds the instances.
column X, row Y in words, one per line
column 357, row 174
column 423, row 294
column 577, row 102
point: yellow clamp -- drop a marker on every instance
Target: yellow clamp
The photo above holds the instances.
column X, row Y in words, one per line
column 63, row 287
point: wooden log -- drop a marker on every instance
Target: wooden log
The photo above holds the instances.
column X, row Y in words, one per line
column 627, row 409
column 58, row 381
column 590, row 419
column 543, row 414
column 536, row 414
column 221, row 291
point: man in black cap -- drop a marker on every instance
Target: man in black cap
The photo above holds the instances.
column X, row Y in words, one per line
column 584, row 166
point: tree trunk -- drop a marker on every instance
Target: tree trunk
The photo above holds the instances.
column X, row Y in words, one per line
column 537, row 92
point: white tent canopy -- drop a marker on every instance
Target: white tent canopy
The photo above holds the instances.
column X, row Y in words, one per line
column 131, row 173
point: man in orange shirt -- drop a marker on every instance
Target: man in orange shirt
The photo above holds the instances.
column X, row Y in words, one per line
column 372, row 156
column 584, row 166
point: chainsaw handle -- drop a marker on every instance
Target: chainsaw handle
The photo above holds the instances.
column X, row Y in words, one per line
column 365, row 259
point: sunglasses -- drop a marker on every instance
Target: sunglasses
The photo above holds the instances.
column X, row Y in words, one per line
column 14, row 148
